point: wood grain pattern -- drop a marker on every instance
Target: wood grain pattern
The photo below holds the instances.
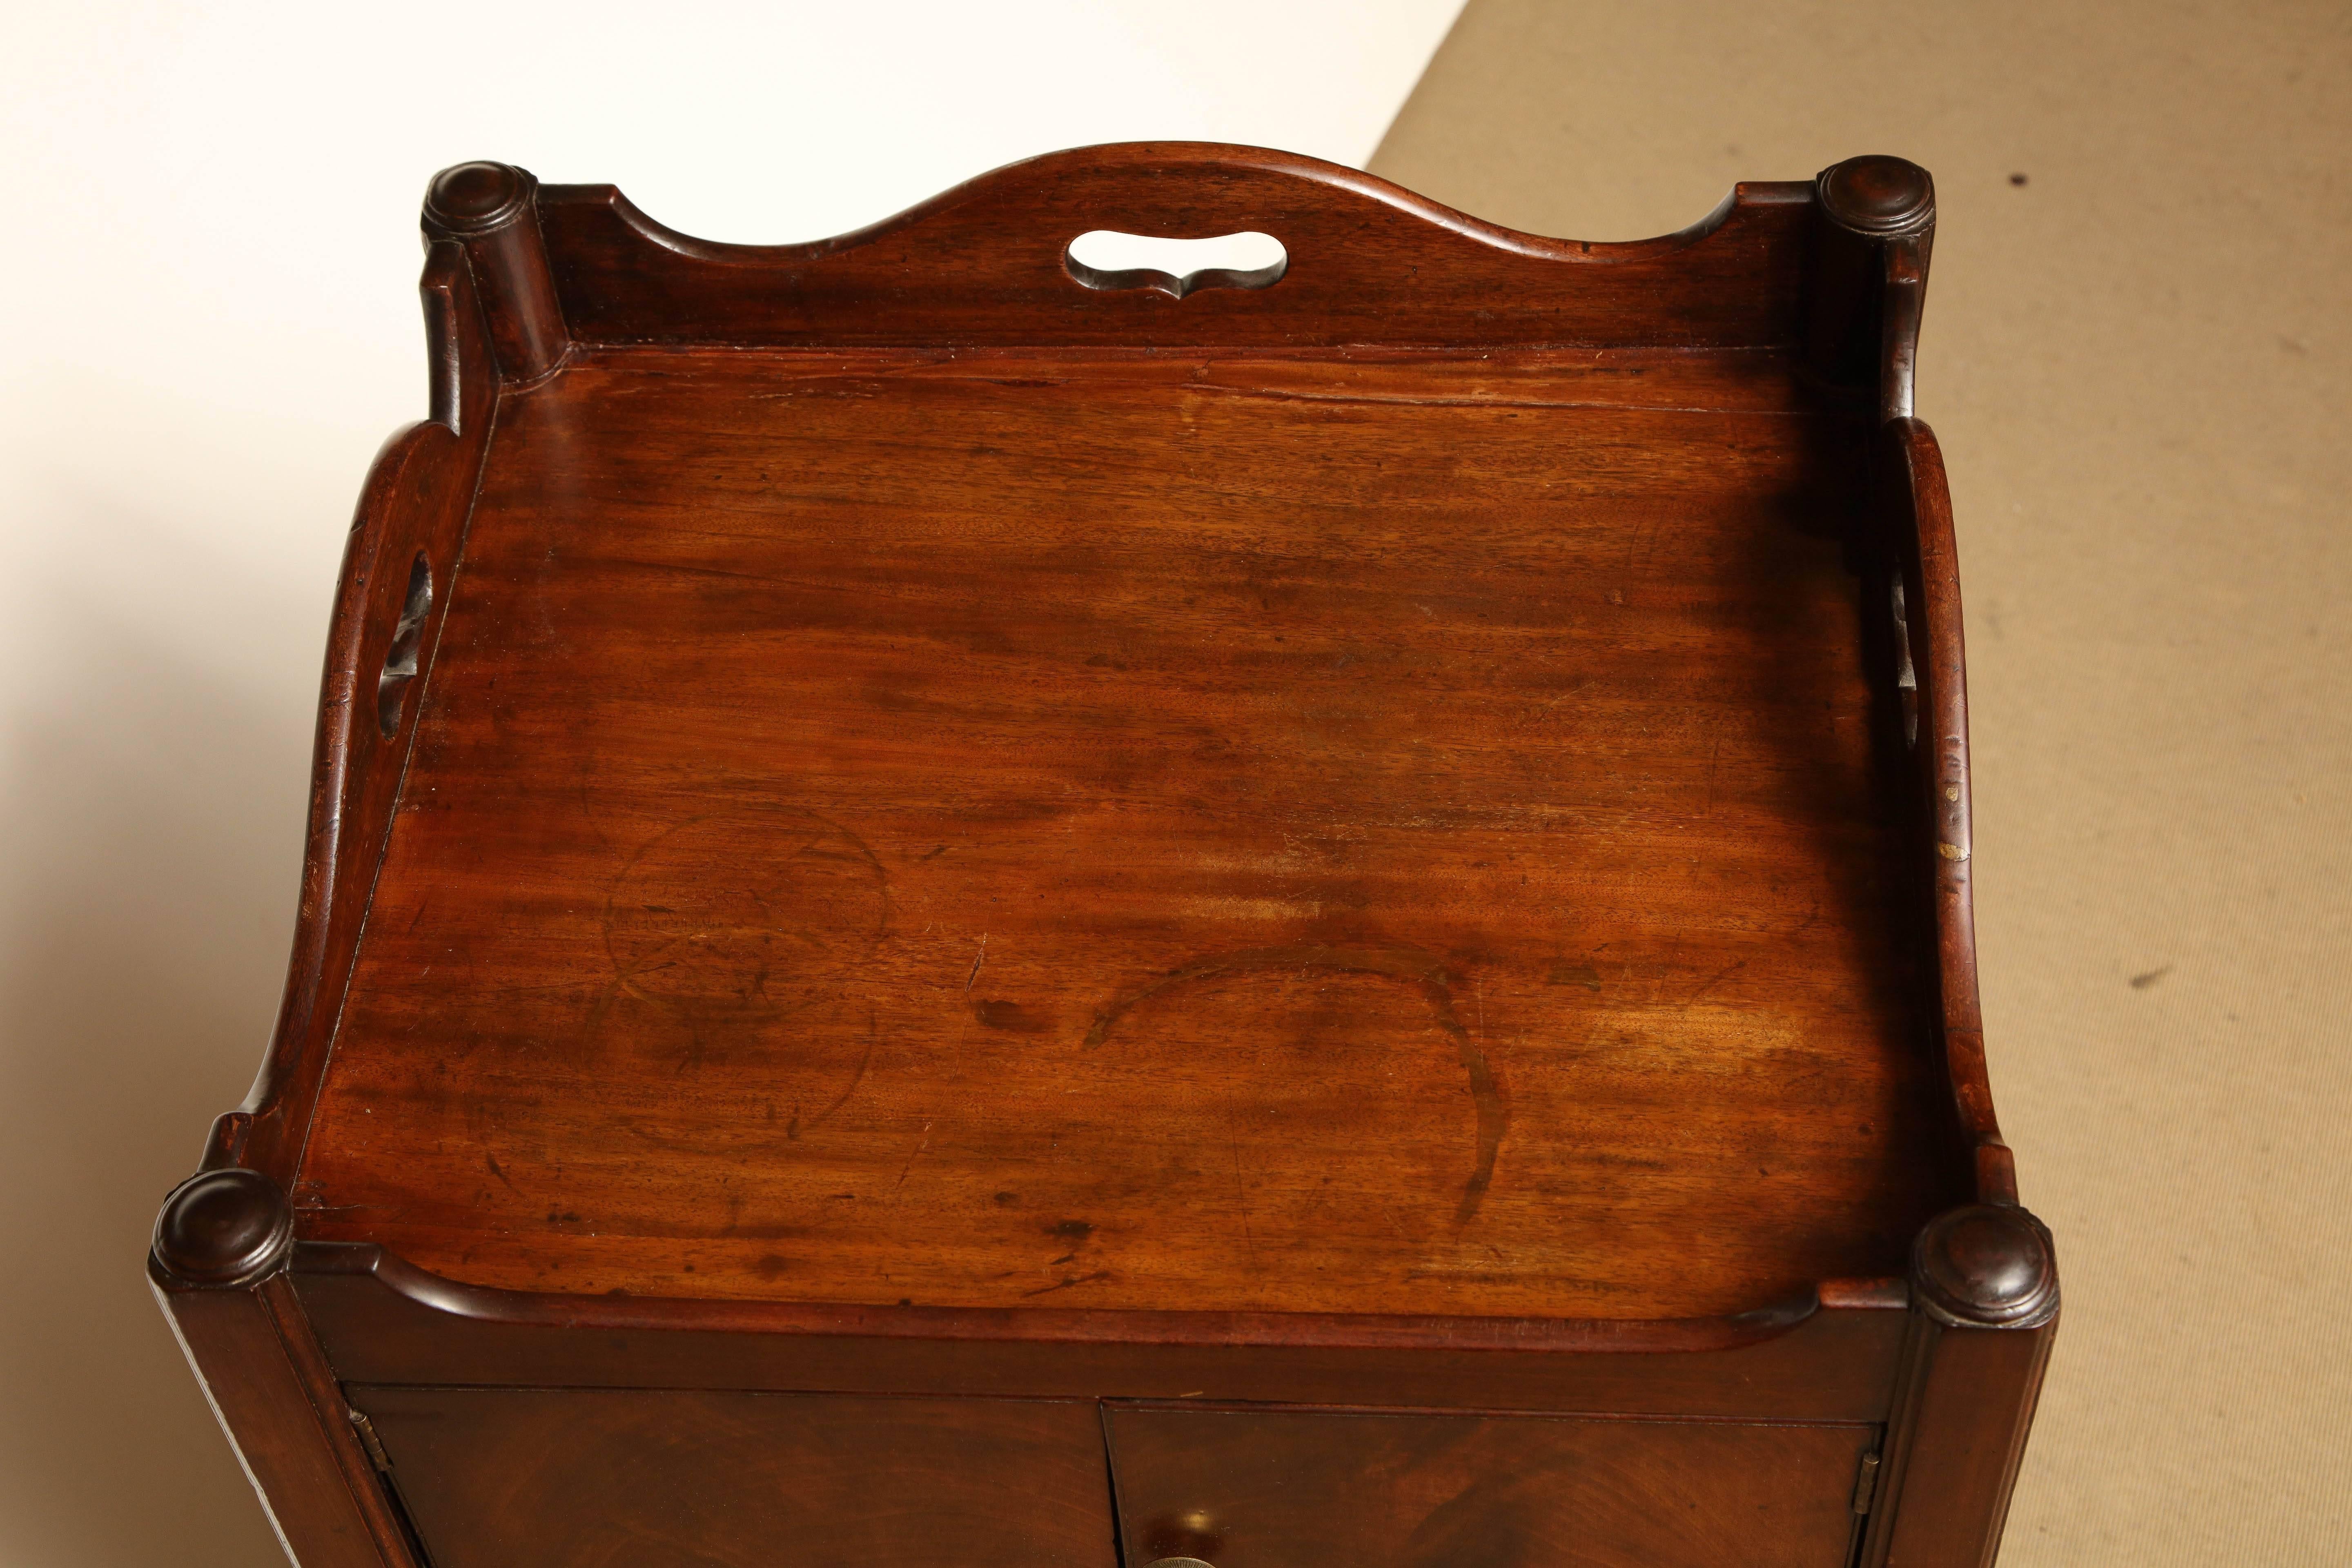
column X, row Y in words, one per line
column 587, row 1479
column 986, row 833
column 1369, row 265
column 1254, row 1488
column 383, row 1321
column 1398, row 837
column 282, row 1413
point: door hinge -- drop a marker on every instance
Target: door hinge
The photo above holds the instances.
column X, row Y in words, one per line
column 369, row 1441
column 1865, row 1483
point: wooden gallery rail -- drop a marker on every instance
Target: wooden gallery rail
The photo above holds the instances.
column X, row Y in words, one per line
column 973, row 907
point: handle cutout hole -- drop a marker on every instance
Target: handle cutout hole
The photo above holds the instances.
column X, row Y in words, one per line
column 1906, row 674
column 400, row 660
column 1105, row 258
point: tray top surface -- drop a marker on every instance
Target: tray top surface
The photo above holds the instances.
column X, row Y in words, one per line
column 1356, row 833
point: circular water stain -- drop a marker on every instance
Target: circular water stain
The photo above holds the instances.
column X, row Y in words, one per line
column 757, row 910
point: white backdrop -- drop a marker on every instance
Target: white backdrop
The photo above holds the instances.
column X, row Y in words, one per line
column 212, row 324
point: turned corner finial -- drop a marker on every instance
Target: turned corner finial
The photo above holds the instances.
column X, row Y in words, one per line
column 468, row 199
column 223, row 1228
column 1878, row 196
column 492, row 210
column 1986, row 1266
column 1875, row 224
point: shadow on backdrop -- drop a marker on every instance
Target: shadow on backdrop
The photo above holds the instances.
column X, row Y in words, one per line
column 158, row 812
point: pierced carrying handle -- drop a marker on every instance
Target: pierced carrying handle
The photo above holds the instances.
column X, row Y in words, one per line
column 399, row 670
column 992, row 263
column 1109, row 260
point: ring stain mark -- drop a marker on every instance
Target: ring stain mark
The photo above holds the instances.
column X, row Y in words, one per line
column 701, row 1139
column 1424, row 971
column 735, row 938
column 744, row 912
column 724, row 922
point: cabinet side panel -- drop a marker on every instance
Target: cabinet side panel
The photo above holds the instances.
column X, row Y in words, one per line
column 234, row 1344
column 1970, row 1404
column 1926, row 578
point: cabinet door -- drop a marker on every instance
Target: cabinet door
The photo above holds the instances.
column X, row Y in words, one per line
column 1265, row 1489
column 662, row 1479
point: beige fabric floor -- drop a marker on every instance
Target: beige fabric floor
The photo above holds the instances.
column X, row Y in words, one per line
column 2138, row 362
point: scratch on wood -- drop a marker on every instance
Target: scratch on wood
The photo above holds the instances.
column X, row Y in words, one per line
column 873, row 1033
column 1425, row 400
column 1714, row 980
column 912, row 1158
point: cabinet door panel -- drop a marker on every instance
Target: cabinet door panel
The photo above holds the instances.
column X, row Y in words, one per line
column 1261, row 1489
column 663, row 1478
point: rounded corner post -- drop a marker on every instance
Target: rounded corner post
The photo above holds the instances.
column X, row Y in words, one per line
column 492, row 210
column 219, row 1266
column 221, row 1229
column 1873, row 227
column 1984, row 1309
column 1986, row 1266
column 1878, row 196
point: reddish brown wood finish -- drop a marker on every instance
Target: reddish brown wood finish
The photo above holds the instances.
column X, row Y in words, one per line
column 218, row 1270
column 1868, row 278
column 574, row 1477
column 982, row 267
column 1985, row 1305
column 236, row 1315
column 383, row 1321
column 1918, row 537
column 492, row 209
column 1966, row 1403
column 993, row 832
column 1252, row 1489
column 1378, row 839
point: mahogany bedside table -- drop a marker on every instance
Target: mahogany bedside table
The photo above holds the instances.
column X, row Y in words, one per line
column 972, row 911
